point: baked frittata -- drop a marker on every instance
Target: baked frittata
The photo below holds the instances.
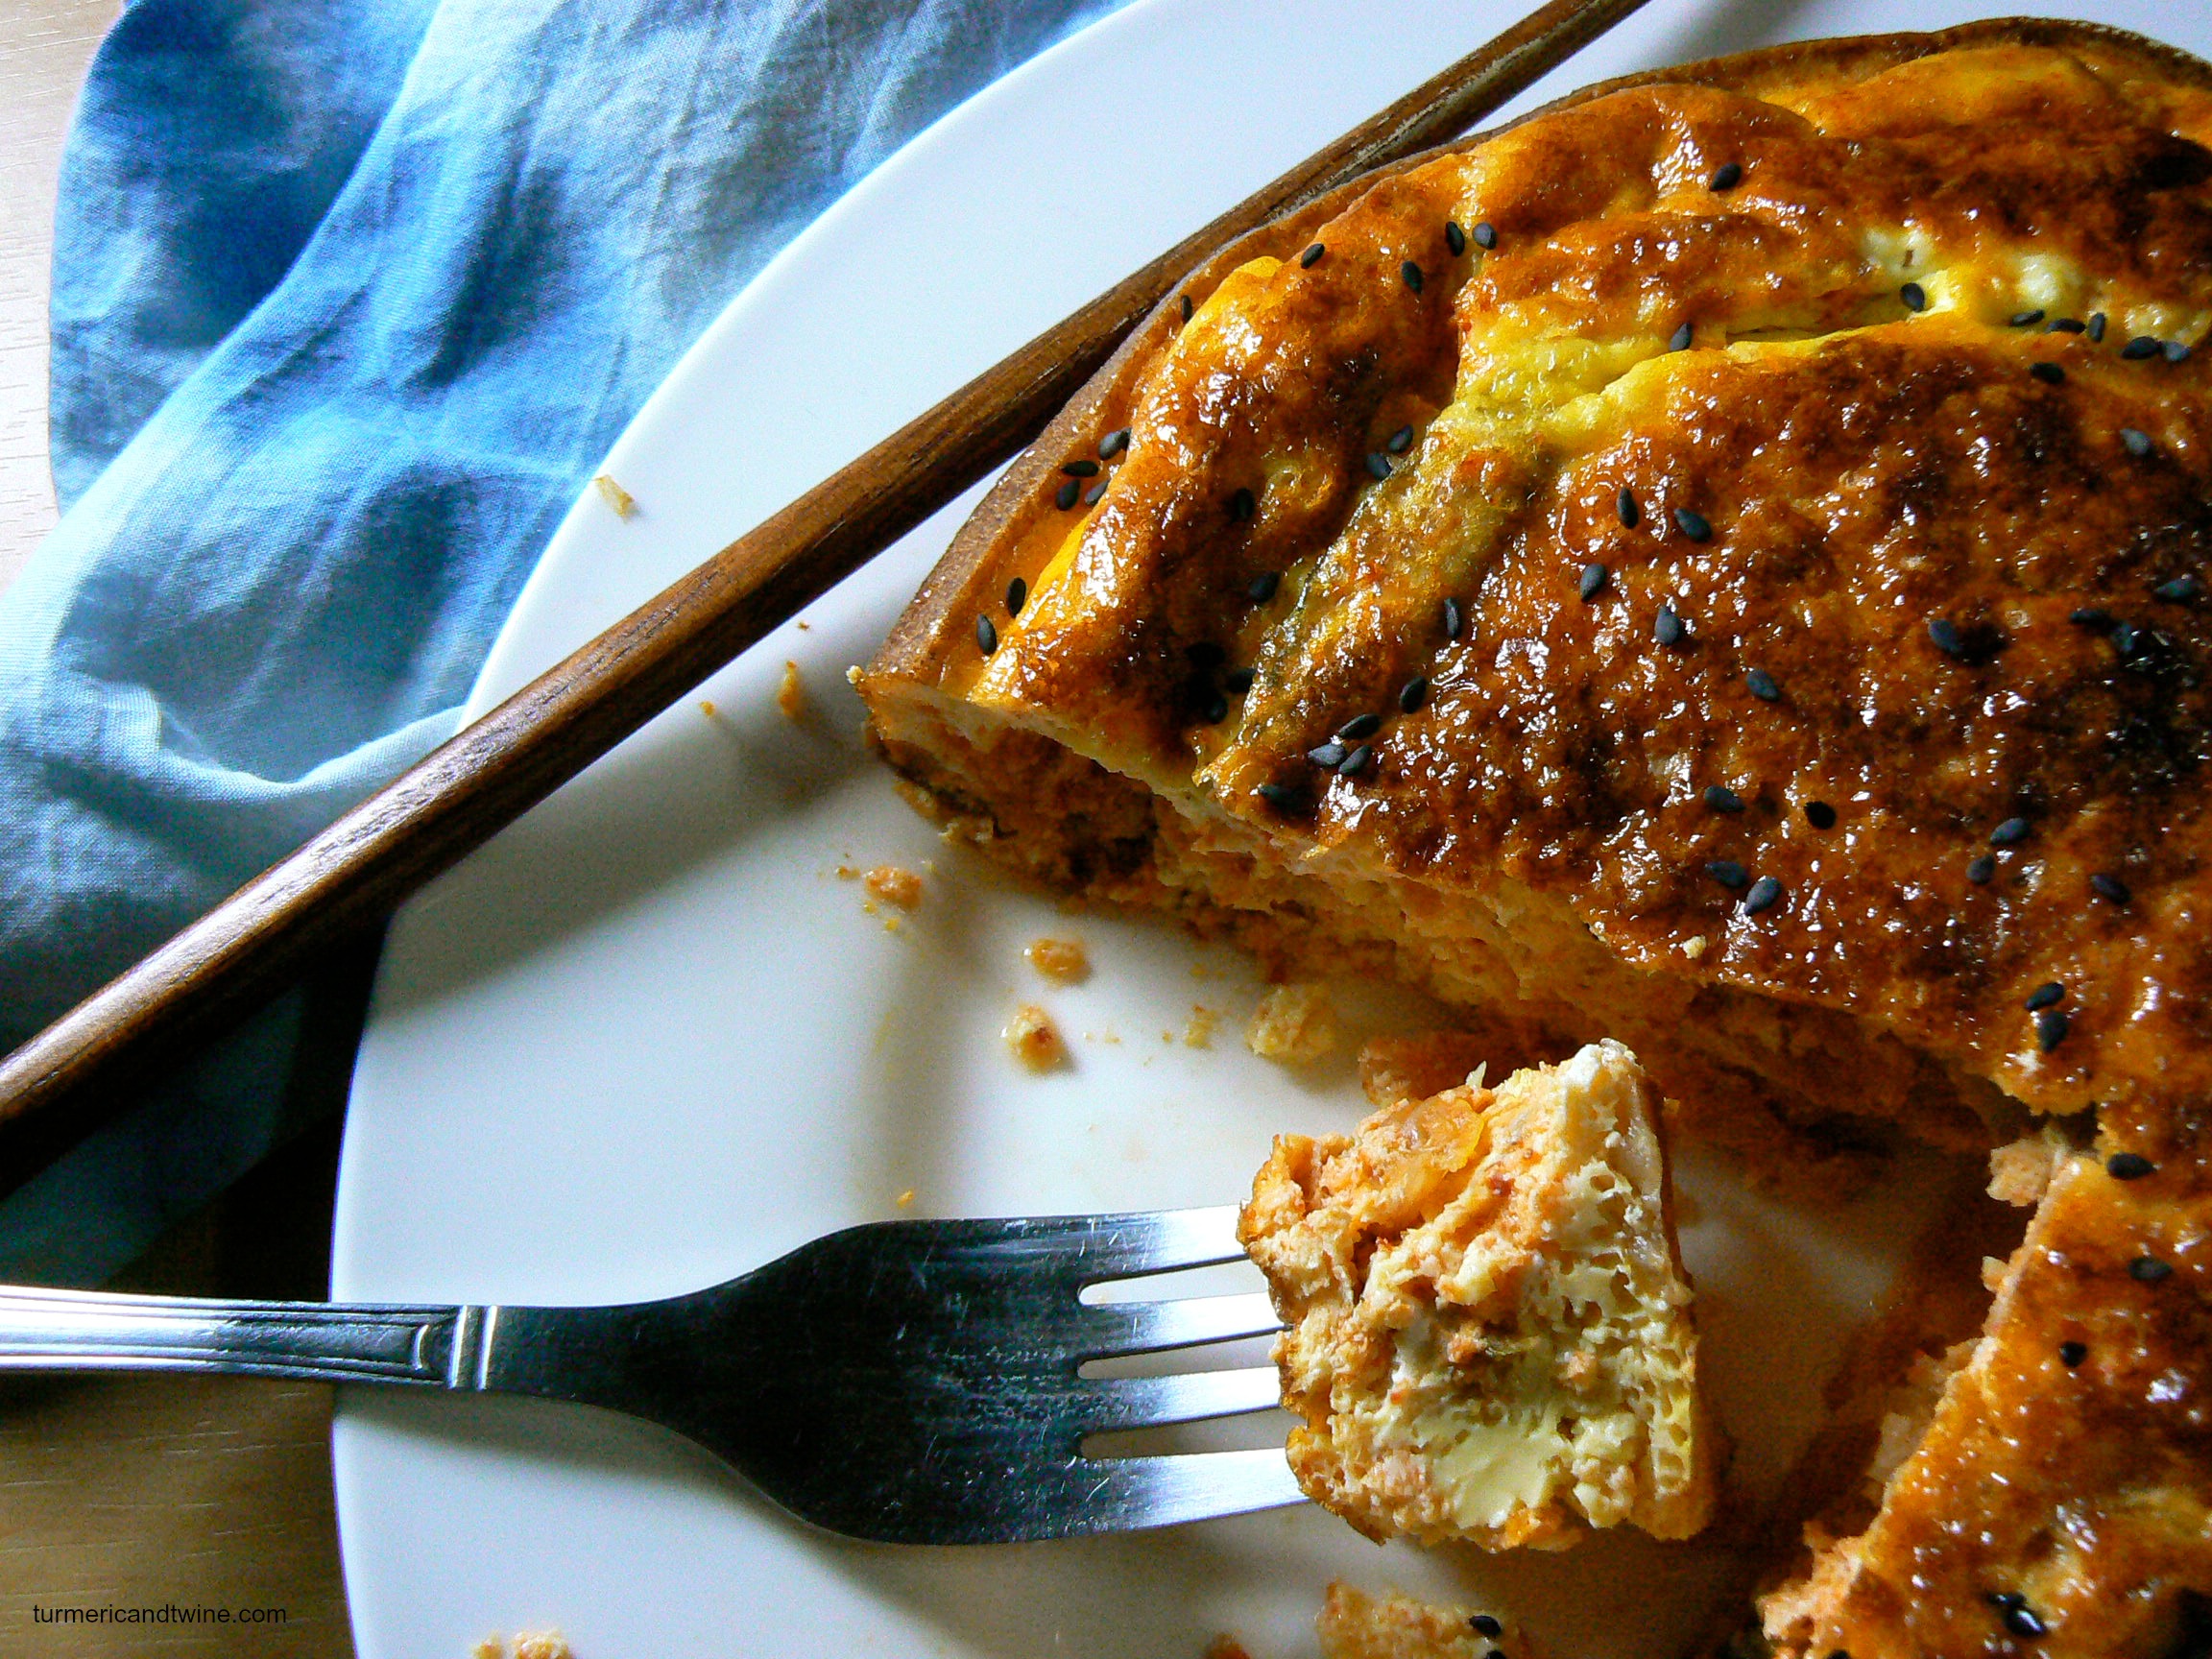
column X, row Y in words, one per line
column 1720, row 563
column 1487, row 1331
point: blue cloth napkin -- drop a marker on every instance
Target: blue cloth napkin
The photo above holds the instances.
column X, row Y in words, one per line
column 350, row 298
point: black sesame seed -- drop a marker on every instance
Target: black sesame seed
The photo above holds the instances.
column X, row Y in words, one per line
column 1356, row 762
column 1113, row 444
column 1454, row 238
column 1017, row 596
column 1216, row 709
column 1495, row 1653
column 2180, row 590
column 2176, row 351
column 2051, row 1028
column 1722, row 799
column 1237, row 681
column 1819, row 815
column 1411, row 273
column 2025, row 319
column 1667, row 627
column 1693, row 524
column 2141, row 347
column 1186, row 317
column 1627, row 506
column 1066, row 495
column 1761, row 685
column 1311, row 256
column 1841, row 1653
column 2097, row 325
column 1277, row 795
column 2023, row 1623
column 1982, row 871
column 1681, row 339
column 2046, row 996
column 2072, row 1354
column 1399, row 441
column 2065, row 326
column 1095, row 494
column 1379, row 465
column 2149, row 1269
column 2128, row 1167
column 1729, row 874
column 1412, row 694
column 1485, row 235
column 1452, row 621
column 2010, row 834
column 1084, row 468
column 2125, row 637
column 1945, row 635
column 1328, row 757
column 2137, row 443
column 2090, row 617
column 986, row 635
column 1242, row 505
column 1592, row 583
column 1766, row 893
column 1914, row 296
column 1358, row 726
column 1726, row 177
column 2108, row 887
column 2050, row 373
column 1486, row 1625
column 1261, row 588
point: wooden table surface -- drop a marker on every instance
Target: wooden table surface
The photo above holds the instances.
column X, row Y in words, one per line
column 160, row 1491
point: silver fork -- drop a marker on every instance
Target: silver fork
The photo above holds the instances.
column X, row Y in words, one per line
column 907, row 1382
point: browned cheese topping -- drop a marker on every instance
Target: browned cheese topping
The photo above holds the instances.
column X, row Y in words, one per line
column 1911, row 581
column 2060, row 1501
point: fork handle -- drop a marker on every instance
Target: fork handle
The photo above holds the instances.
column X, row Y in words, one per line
column 314, row 1341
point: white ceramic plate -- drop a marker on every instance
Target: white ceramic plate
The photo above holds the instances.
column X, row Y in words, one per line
column 650, row 1038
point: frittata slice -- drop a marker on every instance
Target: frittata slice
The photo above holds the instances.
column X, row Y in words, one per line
column 2058, row 1500
column 1488, row 1328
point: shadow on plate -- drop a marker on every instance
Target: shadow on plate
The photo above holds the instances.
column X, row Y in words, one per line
column 685, row 790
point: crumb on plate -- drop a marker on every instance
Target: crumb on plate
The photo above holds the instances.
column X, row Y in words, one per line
column 894, row 884
column 1295, row 1023
column 1034, row 1039
column 1062, row 961
column 791, row 695
column 527, row 1644
column 615, row 495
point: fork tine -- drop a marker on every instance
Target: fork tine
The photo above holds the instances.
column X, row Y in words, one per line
column 1089, row 1248
column 1113, row 1328
column 1135, row 1491
column 1149, row 1401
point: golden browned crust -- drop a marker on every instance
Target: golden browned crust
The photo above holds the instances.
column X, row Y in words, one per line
column 1487, row 1329
column 2060, row 1500
column 974, row 572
